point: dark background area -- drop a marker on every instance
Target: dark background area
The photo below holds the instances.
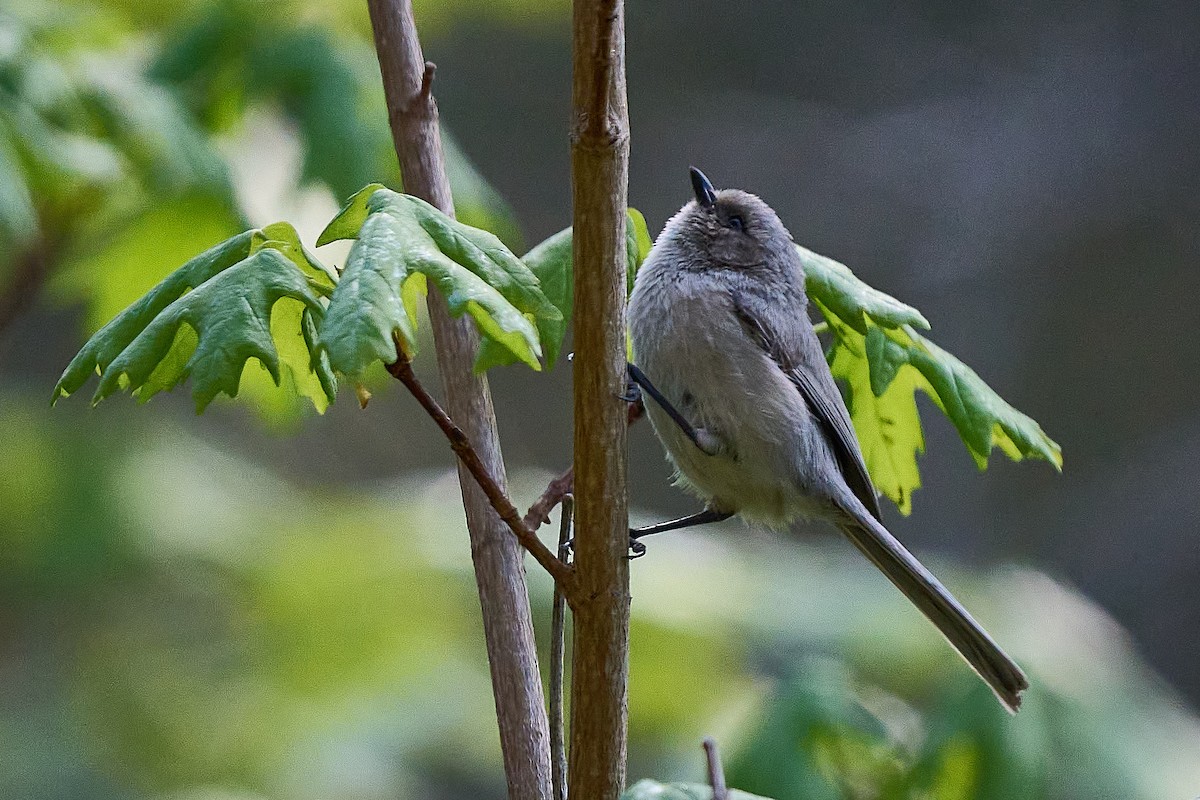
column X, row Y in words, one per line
column 1026, row 174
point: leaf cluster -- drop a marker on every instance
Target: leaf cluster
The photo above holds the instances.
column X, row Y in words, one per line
column 262, row 295
column 253, row 296
column 216, row 312
column 882, row 361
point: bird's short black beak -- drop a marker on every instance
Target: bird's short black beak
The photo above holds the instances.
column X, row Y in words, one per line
column 706, row 195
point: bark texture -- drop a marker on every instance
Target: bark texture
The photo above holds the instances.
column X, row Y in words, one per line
column 498, row 558
column 599, row 161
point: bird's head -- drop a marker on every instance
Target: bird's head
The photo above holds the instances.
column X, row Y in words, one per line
column 730, row 228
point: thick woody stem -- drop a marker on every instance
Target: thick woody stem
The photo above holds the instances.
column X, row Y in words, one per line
column 499, row 566
column 599, row 161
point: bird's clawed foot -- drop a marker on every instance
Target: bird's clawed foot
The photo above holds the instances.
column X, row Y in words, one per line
column 636, row 549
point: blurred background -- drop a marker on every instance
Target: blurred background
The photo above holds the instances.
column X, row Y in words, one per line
column 264, row 602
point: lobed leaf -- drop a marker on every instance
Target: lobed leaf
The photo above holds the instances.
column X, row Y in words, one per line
column 883, row 408
column 350, row 218
column 402, row 241
column 884, row 369
column 551, row 261
column 839, row 290
column 883, row 361
column 256, row 295
column 983, row 419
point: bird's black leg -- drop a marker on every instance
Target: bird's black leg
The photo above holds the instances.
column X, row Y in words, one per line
column 638, row 549
column 639, row 379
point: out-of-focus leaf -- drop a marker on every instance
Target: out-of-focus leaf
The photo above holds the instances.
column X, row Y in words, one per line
column 551, row 261
column 973, row 753
column 814, row 741
column 206, row 319
column 315, row 81
column 653, row 790
column 154, row 133
column 18, row 219
column 402, row 238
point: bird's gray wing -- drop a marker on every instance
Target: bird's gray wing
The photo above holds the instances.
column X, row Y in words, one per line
column 810, row 375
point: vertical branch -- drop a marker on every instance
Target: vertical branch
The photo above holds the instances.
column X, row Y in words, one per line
column 558, row 638
column 499, row 567
column 599, row 161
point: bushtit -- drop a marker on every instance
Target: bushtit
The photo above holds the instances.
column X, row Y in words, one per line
column 750, row 414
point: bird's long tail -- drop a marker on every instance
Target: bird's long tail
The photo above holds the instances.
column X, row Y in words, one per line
column 935, row 602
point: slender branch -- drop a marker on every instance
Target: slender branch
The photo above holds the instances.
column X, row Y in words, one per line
column 600, row 171
column 558, row 637
column 716, row 773
column 556, row 492
column 539, row 513
column 461, row 445
column 499, row 564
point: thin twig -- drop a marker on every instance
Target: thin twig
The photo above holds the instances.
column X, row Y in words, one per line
column 716, row 773
column 556, row 492
column 558, row 638
column 539, row 513
column 562, row 574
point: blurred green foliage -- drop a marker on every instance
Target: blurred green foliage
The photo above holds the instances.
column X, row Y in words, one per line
column 106, row 144
column 180, row 619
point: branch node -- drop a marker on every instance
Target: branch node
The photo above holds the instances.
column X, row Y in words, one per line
column 427, row 81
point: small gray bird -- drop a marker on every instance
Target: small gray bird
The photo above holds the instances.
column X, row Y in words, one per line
column 748, row 410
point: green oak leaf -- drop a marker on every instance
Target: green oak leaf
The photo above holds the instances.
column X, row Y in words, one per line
column 256, row 295
column 983, row 419
column 350, row 219
column 653, row 790
column 884, row 369
column 883, row 361
column 886, row 422
column 837, row 289
column 551, row 261
column 401, row 242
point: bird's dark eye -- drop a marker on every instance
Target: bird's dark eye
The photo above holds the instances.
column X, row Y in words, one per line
column 736, row 222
